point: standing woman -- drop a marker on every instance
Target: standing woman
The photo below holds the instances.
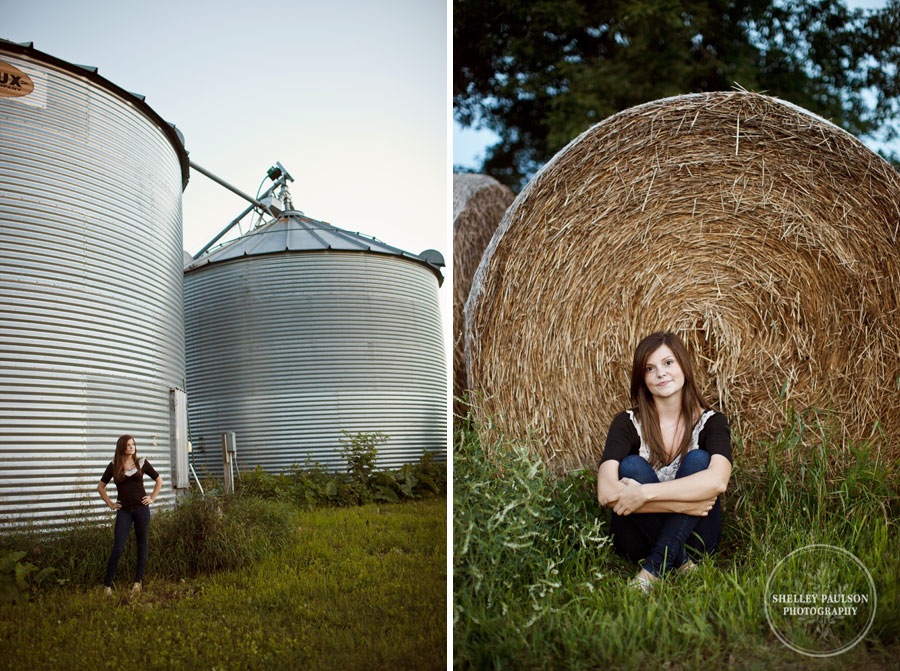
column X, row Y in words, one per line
column 665, row 463
column 132, row 506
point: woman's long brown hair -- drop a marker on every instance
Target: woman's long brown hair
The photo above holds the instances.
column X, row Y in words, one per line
column 643, row 405
column 121, row 457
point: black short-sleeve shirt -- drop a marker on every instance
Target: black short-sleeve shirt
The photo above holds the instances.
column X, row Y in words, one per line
column 130, row 489
column 623, row 439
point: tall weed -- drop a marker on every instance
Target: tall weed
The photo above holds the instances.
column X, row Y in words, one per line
column 514, row 532
column 208, row 534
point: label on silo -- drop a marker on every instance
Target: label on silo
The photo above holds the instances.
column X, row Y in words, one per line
column 13, row 82
column 28, row 88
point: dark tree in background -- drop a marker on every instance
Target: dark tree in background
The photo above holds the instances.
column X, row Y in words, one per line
column 539, row 72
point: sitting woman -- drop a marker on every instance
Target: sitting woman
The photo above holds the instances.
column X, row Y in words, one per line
column 665, row 463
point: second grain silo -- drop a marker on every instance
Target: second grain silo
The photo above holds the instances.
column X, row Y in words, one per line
column 299, row 331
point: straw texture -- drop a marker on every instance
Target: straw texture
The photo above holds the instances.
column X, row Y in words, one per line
column 479, row 203
column 762, row 234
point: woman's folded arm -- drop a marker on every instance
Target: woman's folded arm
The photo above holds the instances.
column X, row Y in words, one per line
column 705, row 484
column 692, row 495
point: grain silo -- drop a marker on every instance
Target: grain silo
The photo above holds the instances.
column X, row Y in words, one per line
column 92, row 330
column 298, row 331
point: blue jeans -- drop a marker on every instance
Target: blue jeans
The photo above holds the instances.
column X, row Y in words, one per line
column 665, row 541
column 140, row 518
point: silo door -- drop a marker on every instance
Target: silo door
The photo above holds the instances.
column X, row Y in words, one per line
column 178, row 434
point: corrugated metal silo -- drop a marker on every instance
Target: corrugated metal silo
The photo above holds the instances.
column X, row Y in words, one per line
column 299, row 330
column 91, row 312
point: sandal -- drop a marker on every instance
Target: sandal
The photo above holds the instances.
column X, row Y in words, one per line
column 688, row 567
column 643, row 581
column 644, row 585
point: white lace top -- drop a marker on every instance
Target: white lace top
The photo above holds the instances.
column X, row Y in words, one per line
column 666, row 473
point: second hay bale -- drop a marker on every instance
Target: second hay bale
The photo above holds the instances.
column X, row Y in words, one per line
column 762, row 234
column 479, row 203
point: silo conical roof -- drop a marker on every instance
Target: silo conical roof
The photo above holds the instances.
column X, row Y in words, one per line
column 292, row 231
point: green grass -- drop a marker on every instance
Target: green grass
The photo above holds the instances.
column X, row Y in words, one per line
column 537, row 585
column 351, row 588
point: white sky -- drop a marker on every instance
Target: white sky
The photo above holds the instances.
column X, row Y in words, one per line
column 350, row 95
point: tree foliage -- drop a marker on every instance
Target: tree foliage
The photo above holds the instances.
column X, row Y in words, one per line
column 539, row 72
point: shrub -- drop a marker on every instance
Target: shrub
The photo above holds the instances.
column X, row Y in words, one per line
column 261, row 484
column 313, row 485
column 431, row 475
column 515, row 528
column 213, row 533
column 17, row 577
column 361, row 451
column 411, row 481
column 78, row 554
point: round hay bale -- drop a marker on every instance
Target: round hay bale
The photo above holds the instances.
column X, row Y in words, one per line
column 765, row 236
column 479, row 203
